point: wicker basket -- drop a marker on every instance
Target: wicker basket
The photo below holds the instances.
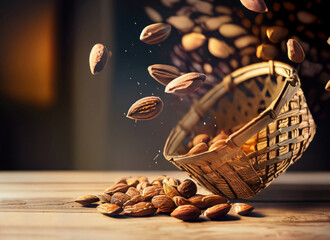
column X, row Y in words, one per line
column 267, row 98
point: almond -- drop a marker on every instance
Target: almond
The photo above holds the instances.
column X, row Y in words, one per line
column 201, row 138
column 221, row 136
column 211, row 200
column 98, row 58
column 155, row 33
column 186, row 212
column 119, row 198
column 217, row 144
column 245, row 41
column 258, row 6
column 214, row 23
column 120, row 187
column 169, row 190
column 266, row 51
column 186, row 84
column 217, row 211
column 140, row 209
column 153, row 14
column 242, row 208
column 121, row 180
column 149, row 192
column 163, row 74
column 231, row 30
column 132, row 182
column 146, row 108
column 109, row 209
column 199, row 148
column 197, row 201
column 219, row 48
column 192, row 41
column 179, row 201
column 87, row 199
column 132, row 191
column 134, row 200
column 276, row 34
column 164, row 204
column 182, row 23
column 142, row 185
column 295, row 51
column 187, row 188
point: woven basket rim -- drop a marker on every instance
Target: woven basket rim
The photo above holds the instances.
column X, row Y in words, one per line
column 290, row 86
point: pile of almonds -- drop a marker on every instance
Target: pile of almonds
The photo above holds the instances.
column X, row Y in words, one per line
column 137, row 197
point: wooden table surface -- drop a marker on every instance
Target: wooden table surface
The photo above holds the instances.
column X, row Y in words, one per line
column 39, row 205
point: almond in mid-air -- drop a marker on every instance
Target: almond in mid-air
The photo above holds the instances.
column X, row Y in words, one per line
column 98, row 58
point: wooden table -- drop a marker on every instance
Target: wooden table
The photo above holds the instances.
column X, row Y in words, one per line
column 39, row 205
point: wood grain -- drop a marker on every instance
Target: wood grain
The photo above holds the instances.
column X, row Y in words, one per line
column 39, row 205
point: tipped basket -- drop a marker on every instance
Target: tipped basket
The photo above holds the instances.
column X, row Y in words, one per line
column 267, row 101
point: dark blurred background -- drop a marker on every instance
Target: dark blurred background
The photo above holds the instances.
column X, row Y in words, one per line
column 55, row 115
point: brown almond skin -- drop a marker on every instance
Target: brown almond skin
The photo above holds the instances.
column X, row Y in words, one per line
column 163, row 74
column 217, row 144
column 197, row 201
column 276, row 33
column 242, row 208
column 120, row 187
column 146, row 108
column 221, row 136
column 163, row 203
column 120, row 180
column 87, row 199
column 295, row 51
column 119, row 198
column 132, row 182
column 169, row 190
column 186, row 84
column 201, row 138
column 140, row 209
column 142, row 185
column 98, row 58
column 155, row 33
column 258, row 6
column 186, row 213
column 134, row 200
column 132, row 191
column 217, row 211
column 199, row 148
column 187, row 188
column 149, row 192
column 179, row 201
column 211, row 200
column 109, row 209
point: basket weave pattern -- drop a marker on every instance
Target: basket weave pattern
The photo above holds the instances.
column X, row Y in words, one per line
column 267, row 98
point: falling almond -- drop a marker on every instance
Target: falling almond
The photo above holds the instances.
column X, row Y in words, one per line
column 295, row 51
column 192, row 41
column 276, row 34
column 266, row 51
column 258, row 6
column 219, row 48
column 186, row 84
column 231, row 30
column 146, row 108
column 98, row 58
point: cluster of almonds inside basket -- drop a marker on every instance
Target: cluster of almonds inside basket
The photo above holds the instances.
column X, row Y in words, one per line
column 137, row 197
column 204, row 142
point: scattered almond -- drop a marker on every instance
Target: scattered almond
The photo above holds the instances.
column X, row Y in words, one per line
column 186, row 212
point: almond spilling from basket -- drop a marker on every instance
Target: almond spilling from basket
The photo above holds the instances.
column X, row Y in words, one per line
column 186, row 84
column 155, row 33
column 163, row 74
column 146, row 108
column 98, row 58
column 163, row 195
